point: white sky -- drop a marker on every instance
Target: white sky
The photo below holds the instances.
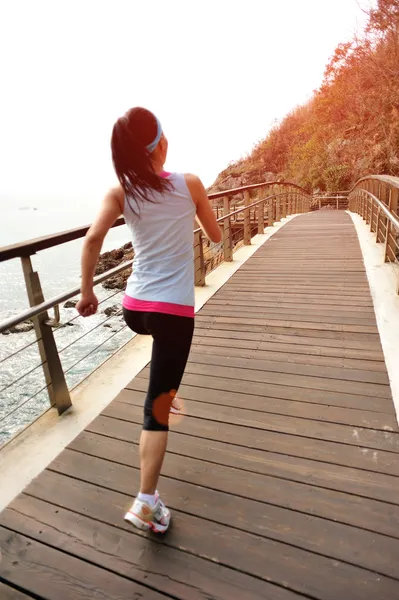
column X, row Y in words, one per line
column 216, row 72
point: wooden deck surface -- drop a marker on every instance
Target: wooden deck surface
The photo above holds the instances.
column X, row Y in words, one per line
column 283, row 477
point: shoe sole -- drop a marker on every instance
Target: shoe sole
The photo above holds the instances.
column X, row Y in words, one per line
column 144, row 525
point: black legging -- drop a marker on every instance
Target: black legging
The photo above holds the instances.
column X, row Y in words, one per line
column 172, row 337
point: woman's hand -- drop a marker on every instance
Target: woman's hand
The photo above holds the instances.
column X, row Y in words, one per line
column 87, row 305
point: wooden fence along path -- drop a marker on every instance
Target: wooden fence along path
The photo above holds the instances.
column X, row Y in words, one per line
column 283, row 477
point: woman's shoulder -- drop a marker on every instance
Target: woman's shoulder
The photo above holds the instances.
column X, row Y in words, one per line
column 195, row 186
column 191, row 179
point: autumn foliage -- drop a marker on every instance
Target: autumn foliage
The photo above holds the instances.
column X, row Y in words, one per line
column 350, row 127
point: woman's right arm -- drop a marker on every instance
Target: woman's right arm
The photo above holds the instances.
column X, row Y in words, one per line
column 112, row 208
column 205, row 213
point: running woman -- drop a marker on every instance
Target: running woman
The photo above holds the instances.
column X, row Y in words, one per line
column 159, row 209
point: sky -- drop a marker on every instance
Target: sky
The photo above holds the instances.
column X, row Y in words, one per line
column 217, row 73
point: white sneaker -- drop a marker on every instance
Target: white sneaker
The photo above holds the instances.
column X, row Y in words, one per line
column 145, row 517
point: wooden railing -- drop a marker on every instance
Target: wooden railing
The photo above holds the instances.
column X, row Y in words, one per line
column 264, row 204
column 274, row 200
column 376, row 199
column 333, row 200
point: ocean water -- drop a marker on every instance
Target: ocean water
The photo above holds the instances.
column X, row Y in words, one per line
column 83, row 344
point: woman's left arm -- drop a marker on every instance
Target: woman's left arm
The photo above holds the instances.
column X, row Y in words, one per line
column 111, row 209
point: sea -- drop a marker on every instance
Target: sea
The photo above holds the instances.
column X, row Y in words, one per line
column 83, row 343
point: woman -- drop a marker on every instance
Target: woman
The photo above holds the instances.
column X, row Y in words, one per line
column 159, row 209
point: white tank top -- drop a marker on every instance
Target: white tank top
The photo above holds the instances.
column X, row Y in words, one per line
column 162, row 237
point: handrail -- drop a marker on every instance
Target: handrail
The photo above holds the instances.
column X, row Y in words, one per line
column 47, row 241
column 376, row 199
column 388, row 179
column 253, row 186
column 245, row 208
column 385, row 210
column 30, row 247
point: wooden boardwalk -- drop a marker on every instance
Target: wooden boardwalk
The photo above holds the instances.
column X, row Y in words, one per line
column 283, row 477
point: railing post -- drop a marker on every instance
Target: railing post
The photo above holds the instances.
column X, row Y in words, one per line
column 262, row 192
column 54, row 375
column 368, row 186
column 247, row 219
column 227, row 237
column 394, row 200
column 278, row 204
column 319, row 202
column 285, row 203
column 337, row 203
column 199, row 264
column 389, row 246
column 270, row 210
column 261, row 217
column 371, row 214
column 363, row 204
column 377, row 227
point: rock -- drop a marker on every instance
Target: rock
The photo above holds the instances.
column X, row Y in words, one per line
column 111, row 311
column 20, row 328
column 118, row 282
column 112, row 259
column 70, row 303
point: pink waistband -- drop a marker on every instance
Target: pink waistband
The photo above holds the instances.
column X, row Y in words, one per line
column 167, row 308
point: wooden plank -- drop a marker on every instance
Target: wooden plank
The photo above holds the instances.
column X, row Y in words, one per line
column 348, row 284
column 366, row 331
column 287, row 444
column 257, row 360
column 288, row 315
column 303, row 307
column 347, row 338
column 339, row 291
column 215, row 486
column 337, row 286
column 49, row 573
column 280, row 352
column 264, row 404
column 292, row 298
column 349, row 480
column 374, row 439
column 246, row 306
column 297, row 394
column 9, row 593
column 174, row 572
column 268, row 341
column 285, row 379
column 295, row 568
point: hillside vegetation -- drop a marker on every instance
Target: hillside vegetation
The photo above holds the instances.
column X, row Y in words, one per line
column 348, row 129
